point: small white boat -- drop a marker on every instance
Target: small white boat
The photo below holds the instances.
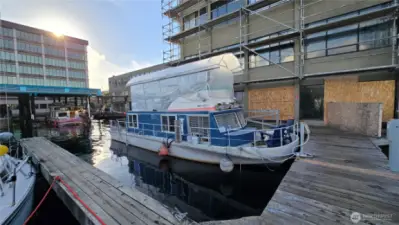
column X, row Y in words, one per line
column 189, row 112
column 17, row 179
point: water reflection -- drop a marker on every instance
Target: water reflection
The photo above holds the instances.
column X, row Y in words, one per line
column 204, row 191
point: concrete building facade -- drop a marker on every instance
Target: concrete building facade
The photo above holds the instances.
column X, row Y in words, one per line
column 117, row 86
column 296, row 55
column 38, row 62
column 31, row 56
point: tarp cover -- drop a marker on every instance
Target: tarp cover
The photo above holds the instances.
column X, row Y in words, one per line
column 200, row 84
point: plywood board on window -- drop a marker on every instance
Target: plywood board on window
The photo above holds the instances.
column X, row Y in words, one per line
column 350, row 90
column 281, row 98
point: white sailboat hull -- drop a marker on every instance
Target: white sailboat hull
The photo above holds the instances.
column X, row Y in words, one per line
column 205, row 153
column 17, row 214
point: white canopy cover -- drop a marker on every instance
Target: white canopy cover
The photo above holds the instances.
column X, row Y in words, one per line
column 195, row 86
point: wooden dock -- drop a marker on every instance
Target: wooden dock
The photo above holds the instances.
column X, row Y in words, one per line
column 108, row 198
column 348, row 174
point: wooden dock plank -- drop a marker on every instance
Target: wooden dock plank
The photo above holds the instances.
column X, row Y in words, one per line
column 109, row 201
column 49, row 172
column 105, row 191
column 81, row 186
column 110, row 185
column 348, row 174
column 333, row 213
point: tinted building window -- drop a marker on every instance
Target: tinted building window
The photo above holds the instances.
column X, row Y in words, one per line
column 27, row 47
column 272, row 55
column 32, row 59
column 54, row 51
column 7, row 44
column 221, row 8
column 28, row 36
column 7, row 56
column 362, row 36
column 6, row 32
column 190, row 21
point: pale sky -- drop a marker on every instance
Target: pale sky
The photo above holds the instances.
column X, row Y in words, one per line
column 123, row 35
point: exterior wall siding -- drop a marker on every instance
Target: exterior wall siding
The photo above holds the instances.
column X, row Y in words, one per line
column 191, row 45
column 226, row 35
column 315, row 10
column 272, row 72
column 347, row 61
column 348, row 89
column 281, row 98
column 260, row 26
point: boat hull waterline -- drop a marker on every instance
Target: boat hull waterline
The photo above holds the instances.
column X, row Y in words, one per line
column 210, row 154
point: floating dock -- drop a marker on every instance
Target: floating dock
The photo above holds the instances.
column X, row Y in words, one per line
column 348, row 175
column 91, row 195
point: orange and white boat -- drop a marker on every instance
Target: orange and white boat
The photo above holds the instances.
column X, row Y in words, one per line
column 61, row 116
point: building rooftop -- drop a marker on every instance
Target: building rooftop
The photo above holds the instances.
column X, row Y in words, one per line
column 141, row 71
column 21, row 27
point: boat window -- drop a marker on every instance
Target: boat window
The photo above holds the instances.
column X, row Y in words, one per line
column 199, row 125
column 62, row 114
column 227, row 121
column 241, row 118
column 168, row 123
column 133, row 121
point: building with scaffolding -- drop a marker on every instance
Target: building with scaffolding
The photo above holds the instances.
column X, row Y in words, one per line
column 296, row 55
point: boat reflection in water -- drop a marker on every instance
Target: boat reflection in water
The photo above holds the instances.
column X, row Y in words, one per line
column 201, row 190
column 75, row 139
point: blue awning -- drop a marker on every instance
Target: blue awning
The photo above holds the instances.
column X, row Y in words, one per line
column 20, row 89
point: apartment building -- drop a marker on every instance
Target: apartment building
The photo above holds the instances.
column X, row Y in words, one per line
column 117, row 86
column 31, row 56
column 296, row 55
column 38, row 61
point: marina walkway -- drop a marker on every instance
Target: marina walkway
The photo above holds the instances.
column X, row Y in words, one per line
column 348, row 174
column 110, row 200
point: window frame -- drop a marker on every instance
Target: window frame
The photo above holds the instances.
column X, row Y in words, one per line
column 226, row 129
column 254, row 60
column 199, row 115
column 131, row 124
column 162, row 125
column 332, row 33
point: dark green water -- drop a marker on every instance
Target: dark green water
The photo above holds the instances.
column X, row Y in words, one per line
column 203, row 191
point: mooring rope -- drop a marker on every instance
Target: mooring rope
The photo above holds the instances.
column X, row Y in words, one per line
column 58, row 178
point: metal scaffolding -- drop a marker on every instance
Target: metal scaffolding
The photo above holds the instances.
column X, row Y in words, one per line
column 294, row 30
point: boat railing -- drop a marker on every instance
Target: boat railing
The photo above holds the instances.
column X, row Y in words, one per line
column 263, row 117
column 10, row 165
column 273, row 136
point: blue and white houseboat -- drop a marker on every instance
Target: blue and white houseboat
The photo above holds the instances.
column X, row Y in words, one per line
column 190, row 112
